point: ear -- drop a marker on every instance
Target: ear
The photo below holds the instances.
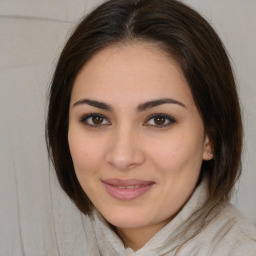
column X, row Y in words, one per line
column 208, row 149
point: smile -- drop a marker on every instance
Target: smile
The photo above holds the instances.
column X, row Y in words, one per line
column 127, row 189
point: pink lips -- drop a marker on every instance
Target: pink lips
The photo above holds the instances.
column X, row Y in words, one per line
column 127, row 189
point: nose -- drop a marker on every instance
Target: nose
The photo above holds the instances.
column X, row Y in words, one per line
column 124, row 151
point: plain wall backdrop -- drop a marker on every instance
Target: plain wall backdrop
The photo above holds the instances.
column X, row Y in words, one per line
column 35, row 216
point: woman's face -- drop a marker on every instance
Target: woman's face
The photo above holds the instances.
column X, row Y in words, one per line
column 135, row 135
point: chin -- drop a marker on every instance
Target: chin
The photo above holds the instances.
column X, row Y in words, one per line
column 126, row 219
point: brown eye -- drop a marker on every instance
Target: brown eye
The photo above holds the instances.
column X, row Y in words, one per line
column 95, row 120
column 160, row 120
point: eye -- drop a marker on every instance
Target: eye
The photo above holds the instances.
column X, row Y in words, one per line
column 159, row 120
column 94, row 120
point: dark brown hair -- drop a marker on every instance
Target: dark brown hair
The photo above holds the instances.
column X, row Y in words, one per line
column 185, row 35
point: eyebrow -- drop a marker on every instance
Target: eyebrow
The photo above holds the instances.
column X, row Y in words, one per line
column 94, row 103
column 155, row 103
column 141, row 107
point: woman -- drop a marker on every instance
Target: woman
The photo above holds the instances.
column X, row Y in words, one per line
column 144, row 130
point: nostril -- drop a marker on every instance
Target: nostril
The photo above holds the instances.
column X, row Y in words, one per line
column 124, row 150
column 125, row 159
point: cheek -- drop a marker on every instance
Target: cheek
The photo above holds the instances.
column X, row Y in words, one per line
column 86, row 163
column 177, row 153
column 85, row 155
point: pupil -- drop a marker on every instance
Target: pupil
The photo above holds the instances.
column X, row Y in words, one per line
column 97, row 119
column 159, row 120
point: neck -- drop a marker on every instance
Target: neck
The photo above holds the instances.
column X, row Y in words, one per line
column 136, row 238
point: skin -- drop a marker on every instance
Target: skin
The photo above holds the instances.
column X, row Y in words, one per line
column 128, row 143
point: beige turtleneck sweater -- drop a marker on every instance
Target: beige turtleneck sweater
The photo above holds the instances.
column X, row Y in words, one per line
column 227, row 234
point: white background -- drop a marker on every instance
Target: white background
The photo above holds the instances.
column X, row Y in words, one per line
column 36, row 218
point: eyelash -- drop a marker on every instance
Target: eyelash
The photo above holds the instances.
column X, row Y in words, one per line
column 167, row 118
column 86, row 118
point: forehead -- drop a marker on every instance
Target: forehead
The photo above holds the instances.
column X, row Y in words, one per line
column 138, row 71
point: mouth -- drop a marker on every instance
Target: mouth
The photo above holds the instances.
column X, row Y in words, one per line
column 127, row 189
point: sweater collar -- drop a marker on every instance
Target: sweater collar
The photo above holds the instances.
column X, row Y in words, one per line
column 110, row 244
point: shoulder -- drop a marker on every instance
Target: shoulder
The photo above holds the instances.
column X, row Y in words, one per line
column 230, row 233
column 242, row 224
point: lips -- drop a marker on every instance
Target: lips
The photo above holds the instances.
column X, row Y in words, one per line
column 127, row 189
